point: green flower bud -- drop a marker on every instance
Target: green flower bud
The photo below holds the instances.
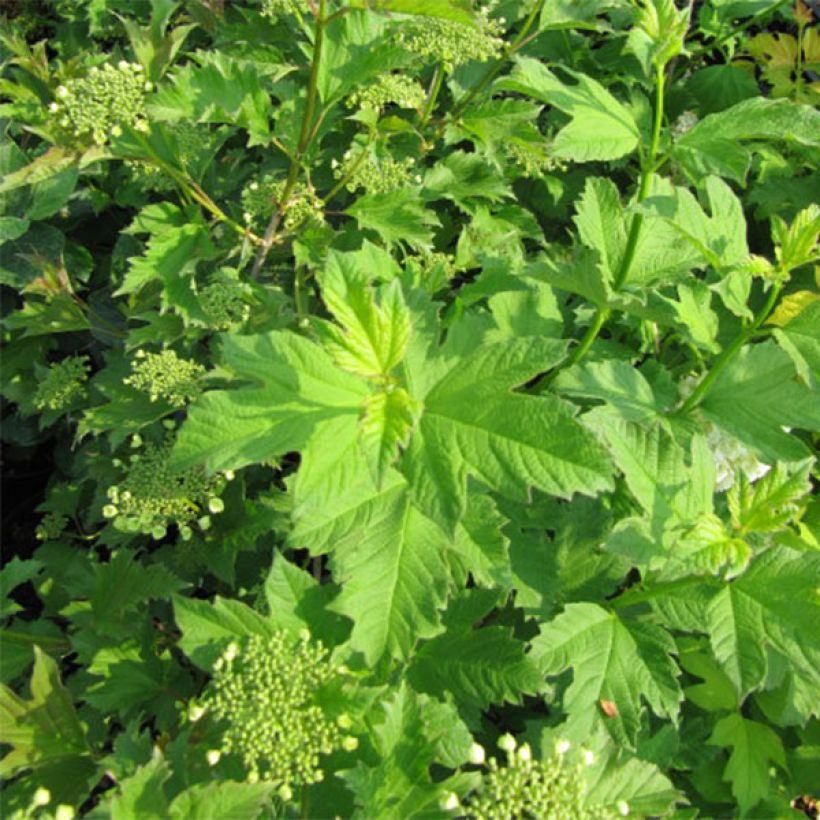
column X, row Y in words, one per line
column 164, row 375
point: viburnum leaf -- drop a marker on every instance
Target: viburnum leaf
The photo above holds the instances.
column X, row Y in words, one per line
column 800, row 338
column 601, row 128
column 753, row 746
column 386, row 423
column 473, row 424
column 45, row 733
column 756, row 396
column 460, row 11
column 479, row 666
column 220, row 800
column 394, row 578
column 464, row 177
column 372, row 338
column 142, row 794
column 408, row 737
column 397, row 216
column 296, row 386
column 773, row 604
column 619, row 661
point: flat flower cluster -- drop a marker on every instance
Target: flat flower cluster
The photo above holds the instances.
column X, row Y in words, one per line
column 151, row 497
column 62, row 384
column 261, row 197
column 452, row 43
column 263, row 691
column 375, row 174
column 533, row 789
column 532, row 159
column 100, row 104
column 274, row 9
column 398, row 89
column 223, row 304
column 165, row 376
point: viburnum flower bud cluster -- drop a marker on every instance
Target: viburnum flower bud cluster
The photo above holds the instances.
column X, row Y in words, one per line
column 62, row 384
column 165, row 376
column 99, row 105
column 532, row 159
column 263, row 690
column 274, row 9
column 530, row 788
column 377, row 175
column 261, row 197
column 51, row 526
column 223, row 304
column 452, row 43
column 151, row 497
column 397, row 89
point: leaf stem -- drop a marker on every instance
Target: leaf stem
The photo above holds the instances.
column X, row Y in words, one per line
column 640, row 596
column 305, row 136
column 699, row 393
column 432, row 95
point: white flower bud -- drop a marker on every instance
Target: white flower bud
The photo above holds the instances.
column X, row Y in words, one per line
column 213, row 757
column 216, row 505
column 62, row 91
column 525, row 753
column 230, row 652
column 562, row 747
column 196, row 713
column 285, row 793
column 53, row 107
column 42, row 797
column 477, row 755
column 507, row 743
column 449, row 802
column 64, row 812
column 623, row 808
column 109, row 511
column 350, row 744
column 589, row 757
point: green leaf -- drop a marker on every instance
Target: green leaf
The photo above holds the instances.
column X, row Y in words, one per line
column 463, row 177
column 397, row 216
column 394, row 578
column 601, row 128
column 218, row 801
column 387, row 421
column 142, row 795
column 617, row 383
column 285, row 586
column 773, row 604
column 407, row 740
column 44, row 730
column 800, row 338
column 206, row 627
column 753, row 746
column 718, row 87
column 460, row 11
column 221, row 90
column 756, row 396
column 566, row 14
column 13, row 574
column 474, row 425
column 372, row 339
column 714, row 145
column 479, row 667
column 623, row 662
column 299, row 387
column 172, row 257
column 658, row 33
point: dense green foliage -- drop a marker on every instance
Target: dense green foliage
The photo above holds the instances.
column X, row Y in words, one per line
column 424, row 397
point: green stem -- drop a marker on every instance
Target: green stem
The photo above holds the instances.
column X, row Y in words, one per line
column 699, row 393
column 648, row 165
column 432, row 95
column 305, row 134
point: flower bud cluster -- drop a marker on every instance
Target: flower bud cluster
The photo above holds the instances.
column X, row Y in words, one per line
column 532, row 159
column 223, row 304
column 403, row 91
column 683, row 124
column 151, row 497
column 528, row 788
column 62, row 384
column 263, row 691
column 274, row 9
column 729, row 454
column 377, row 175
column 262, row 197
column 51, row 526
column 435, row 270
column 452, row 43
column 100, row 104
column 165, row 376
